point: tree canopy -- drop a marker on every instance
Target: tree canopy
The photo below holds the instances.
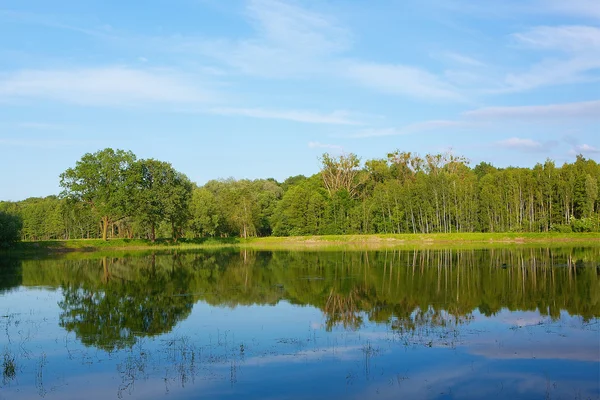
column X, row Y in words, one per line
column 125, row 193
column 112, row 194
column 102, row 181
column 10, row 228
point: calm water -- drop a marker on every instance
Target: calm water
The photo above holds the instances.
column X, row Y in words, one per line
column 501, row 324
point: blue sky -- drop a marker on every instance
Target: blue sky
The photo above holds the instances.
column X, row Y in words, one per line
column 261, row 88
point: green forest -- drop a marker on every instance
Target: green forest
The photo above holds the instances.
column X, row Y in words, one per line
column 112, row 194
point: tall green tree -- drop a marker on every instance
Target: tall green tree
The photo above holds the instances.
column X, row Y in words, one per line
column 161, row 194
column 103, row 181
column 177, row 197
column 205, row 218
column 10, row 228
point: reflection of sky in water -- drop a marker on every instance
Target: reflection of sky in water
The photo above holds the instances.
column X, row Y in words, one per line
column 284, row 351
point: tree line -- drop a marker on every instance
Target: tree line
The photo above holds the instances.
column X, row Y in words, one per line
column 111, row 194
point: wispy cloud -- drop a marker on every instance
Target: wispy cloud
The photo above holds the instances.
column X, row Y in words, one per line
column 586, row 149
column 288, row 41
column 569, row 38
column 319, row 145
column 581, row 111
column 586, row 109
column 574, row 8
column 411, row 128
column 109, row 86
column 587, row 9
column 48, row 143
column 518, row 143
column 526, row 145
column 401, row 79
column 579, row 49
column 334, row 118
column 290, row 26
column 550, row 73
column 462, row 59
column 51, row 21
column 306, row 43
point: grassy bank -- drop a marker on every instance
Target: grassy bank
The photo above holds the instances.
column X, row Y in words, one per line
column 372, row 242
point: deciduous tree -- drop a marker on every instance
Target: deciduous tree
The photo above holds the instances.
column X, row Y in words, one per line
column 103, row 181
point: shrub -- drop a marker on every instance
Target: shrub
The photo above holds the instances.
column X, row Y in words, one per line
column 560, row 228
column 582, row 225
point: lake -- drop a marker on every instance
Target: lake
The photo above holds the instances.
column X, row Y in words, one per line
column 502, row 323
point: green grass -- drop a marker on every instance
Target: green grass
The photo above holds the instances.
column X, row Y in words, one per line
column 435, row 240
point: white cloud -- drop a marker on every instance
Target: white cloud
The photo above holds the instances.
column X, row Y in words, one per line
column 586, row 149
column 47, row 143
column 334, row 118
column 582, row 111
column 587, row 9
column 288, row 26
column 551, row 73
column 289, row 41
column 319, row 145
column 585, row 109
column 52, row 22
column 517, row 143
column 462, row 59
column 108, row 86
column 411, row 128
column 581, row 44
column 575, row 8
column 526, row 145
column 570, row 38
column 401, row 79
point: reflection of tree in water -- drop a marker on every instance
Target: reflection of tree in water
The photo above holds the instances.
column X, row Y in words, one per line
column 422, row 295
column 343, row 309
column 11, row 275
column 428, row 318
column 125, row 305
column 108, row 303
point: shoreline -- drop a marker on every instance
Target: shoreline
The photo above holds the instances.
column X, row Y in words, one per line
column 327, row 242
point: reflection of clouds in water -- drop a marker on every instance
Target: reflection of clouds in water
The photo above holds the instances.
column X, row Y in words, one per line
column 211, row 377
column 561, row 340
column 522, row 319
column 471, row 378
column 425, row 384
column 348, row 353
column 528, row 318
column 512, row 318
column 287, row 345
column 478, row 382
column 533, row 350
column 384, row 336
column 101, row 386
column 545, row 385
